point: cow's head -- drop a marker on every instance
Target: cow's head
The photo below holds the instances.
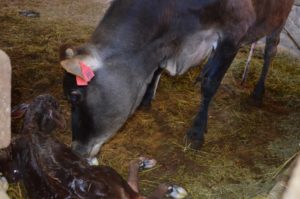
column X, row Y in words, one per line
column 102, row 106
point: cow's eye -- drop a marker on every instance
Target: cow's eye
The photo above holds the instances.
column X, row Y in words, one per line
column 75, row 97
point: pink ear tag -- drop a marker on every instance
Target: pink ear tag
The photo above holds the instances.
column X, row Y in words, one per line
column 87, row 74
column 80, row 81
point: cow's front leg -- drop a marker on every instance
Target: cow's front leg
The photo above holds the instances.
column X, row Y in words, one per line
column 151, row 89
column 211, row 78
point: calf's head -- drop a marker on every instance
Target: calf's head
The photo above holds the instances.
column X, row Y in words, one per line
column 42, row 114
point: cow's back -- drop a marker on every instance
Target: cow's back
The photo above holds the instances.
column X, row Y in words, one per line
column 270, row 15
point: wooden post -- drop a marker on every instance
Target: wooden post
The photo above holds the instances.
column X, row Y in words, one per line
column 293, row 188
column 5, row 100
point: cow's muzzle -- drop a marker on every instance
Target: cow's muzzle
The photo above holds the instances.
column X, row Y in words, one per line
column 85, row 150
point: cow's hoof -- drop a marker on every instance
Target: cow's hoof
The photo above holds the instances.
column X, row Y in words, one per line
column 194, row 144
column 176, row 192
column 146, row 163
column 145, row 105
column 256, row 100
column 193, row 141
column 93, row 161
column 257, row 95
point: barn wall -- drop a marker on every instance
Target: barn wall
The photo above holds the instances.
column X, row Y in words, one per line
column 290, row 38
column 5, row 90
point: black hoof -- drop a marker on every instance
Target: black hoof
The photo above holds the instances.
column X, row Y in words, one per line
column 257, row 95
column 145, row 106
column 193, row 141
column 256, row 100
column 195, row 144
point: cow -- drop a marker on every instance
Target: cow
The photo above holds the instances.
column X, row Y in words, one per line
column 119, row 67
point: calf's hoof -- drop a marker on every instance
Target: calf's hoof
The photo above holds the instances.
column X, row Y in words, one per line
column 146, row 163
column 176, row 192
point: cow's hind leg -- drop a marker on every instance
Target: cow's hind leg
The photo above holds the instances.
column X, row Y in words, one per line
column 151, row 89
column 211, row 78
column 272, row 42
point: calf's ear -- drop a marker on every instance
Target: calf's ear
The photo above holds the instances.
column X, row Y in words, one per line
column 19, row 111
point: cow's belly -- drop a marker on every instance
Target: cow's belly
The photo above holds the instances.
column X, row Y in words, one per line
column 194, row 50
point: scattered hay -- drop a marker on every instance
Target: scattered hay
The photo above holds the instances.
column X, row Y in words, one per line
column 245, row 146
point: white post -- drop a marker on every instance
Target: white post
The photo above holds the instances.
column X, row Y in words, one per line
column 5, row 100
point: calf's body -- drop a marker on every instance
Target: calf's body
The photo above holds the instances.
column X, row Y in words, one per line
column 51, row 170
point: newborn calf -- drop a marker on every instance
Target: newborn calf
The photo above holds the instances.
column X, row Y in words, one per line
column 50, row 169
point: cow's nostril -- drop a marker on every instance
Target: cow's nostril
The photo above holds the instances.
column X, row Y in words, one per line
column 75, row 96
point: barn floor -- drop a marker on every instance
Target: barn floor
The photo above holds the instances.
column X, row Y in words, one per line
column 245, row 146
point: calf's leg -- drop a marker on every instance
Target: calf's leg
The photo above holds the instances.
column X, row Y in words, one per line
column 171, row 191
column 161, row 191
column 133, row 178
column 134, row 167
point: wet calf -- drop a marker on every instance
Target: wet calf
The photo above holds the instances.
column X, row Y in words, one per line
column 50, row 169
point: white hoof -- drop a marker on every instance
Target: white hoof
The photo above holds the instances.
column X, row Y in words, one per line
column 93, row 161
column 147, row 163
column 176, row 192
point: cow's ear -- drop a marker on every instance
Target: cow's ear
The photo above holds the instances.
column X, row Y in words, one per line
column 19, row 111
column 72, row 66
column 66, row 51
column 109, row 1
